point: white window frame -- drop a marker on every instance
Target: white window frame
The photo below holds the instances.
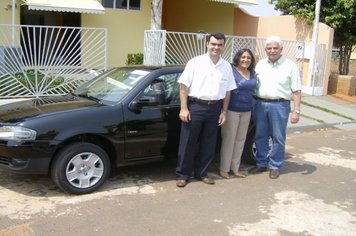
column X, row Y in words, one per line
column 127, row 8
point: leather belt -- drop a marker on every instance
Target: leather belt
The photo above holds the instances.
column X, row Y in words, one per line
column 271, row 100
column 208, row 102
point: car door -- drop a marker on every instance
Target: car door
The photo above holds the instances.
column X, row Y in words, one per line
column 153, row 126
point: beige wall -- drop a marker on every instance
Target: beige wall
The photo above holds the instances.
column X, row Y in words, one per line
column 288, row 28
column 126, row 27
column 244, row 24
column 198, row 15
column 125, row 30
column 6, row 15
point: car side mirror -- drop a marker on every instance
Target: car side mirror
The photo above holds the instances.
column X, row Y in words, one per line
column 147, row 101
column 143, row 101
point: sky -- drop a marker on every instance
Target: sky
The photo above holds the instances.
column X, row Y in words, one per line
column 263, row 9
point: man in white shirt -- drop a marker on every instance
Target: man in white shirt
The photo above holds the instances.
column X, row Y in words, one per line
column 205, row 87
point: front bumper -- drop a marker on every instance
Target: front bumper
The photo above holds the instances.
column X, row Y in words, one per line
column 27, row 159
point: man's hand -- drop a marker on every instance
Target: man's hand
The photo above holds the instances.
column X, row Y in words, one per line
column 295, row 117
column 184, row 115
column 297, row 95
column 222, row 118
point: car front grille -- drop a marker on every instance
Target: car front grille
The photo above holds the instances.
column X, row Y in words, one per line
column 4, row 161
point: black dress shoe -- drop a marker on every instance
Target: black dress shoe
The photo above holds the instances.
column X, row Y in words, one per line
column 257, row 170
column 181, row 183
column 208, row 180
column 274, row 174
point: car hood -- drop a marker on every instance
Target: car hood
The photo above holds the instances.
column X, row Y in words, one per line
column 22, row 110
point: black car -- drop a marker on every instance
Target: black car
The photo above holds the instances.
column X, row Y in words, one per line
column 126, row 116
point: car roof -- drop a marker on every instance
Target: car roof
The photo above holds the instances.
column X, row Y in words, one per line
column 151, row 67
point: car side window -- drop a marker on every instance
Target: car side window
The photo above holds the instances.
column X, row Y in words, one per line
column 165, row 89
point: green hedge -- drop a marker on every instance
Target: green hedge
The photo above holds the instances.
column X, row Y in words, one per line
column 31, row 75
column 134, row 59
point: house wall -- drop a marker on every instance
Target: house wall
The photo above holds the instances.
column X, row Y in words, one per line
column 244, row 24
column 6, row 12
column 197, row 15
column 288, row 28
column 125, row 30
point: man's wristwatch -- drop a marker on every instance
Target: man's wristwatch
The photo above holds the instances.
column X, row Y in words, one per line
column 297, row 111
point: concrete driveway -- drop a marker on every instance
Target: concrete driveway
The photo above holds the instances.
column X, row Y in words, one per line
column 315, row 195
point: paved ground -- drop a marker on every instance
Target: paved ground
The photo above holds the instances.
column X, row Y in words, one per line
column 315, row 195
column 351, row 99
column 320, row 112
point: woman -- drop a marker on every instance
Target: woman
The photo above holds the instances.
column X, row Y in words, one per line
column 234, row 131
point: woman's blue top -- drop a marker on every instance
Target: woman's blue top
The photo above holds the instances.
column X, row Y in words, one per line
column 242, row 97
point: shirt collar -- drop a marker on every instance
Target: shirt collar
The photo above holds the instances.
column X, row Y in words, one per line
column 278, row 62
column 211, row 62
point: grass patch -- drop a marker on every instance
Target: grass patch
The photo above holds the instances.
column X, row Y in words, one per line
column 31, row 75
column 312, row 118
column 30, row 80
column 327, row 110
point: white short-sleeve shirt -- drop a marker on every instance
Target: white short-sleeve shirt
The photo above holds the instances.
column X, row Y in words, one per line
column 206, row 80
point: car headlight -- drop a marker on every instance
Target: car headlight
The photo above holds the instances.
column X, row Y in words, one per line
column 17, row 133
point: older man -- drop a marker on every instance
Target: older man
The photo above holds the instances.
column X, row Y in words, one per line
column 278, row 82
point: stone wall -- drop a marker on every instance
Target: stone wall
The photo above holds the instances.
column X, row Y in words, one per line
column 342, row 84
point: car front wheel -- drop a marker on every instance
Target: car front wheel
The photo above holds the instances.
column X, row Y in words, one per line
column 80, row 168
column 249, row 152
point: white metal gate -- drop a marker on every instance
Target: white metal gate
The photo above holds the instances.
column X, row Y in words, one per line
column 44, row 60
column 162, row 47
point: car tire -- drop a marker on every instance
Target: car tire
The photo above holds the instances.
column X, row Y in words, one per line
column 249, row 152
column 80, row 168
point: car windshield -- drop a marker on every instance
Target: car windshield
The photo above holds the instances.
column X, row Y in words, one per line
column 112, row 86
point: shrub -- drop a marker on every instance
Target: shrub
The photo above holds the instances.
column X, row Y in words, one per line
column 134, row 59
column 31, row 75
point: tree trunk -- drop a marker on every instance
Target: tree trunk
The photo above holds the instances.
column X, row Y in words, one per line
column 156, row 14
column 345, row 55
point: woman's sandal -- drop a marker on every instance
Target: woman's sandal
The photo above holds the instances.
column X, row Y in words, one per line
column 225, row 175
column 239, row 174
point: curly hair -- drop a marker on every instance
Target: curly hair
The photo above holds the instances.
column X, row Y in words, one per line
column 238, row 55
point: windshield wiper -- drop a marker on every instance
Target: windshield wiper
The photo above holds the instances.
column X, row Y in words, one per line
column 89, row 96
